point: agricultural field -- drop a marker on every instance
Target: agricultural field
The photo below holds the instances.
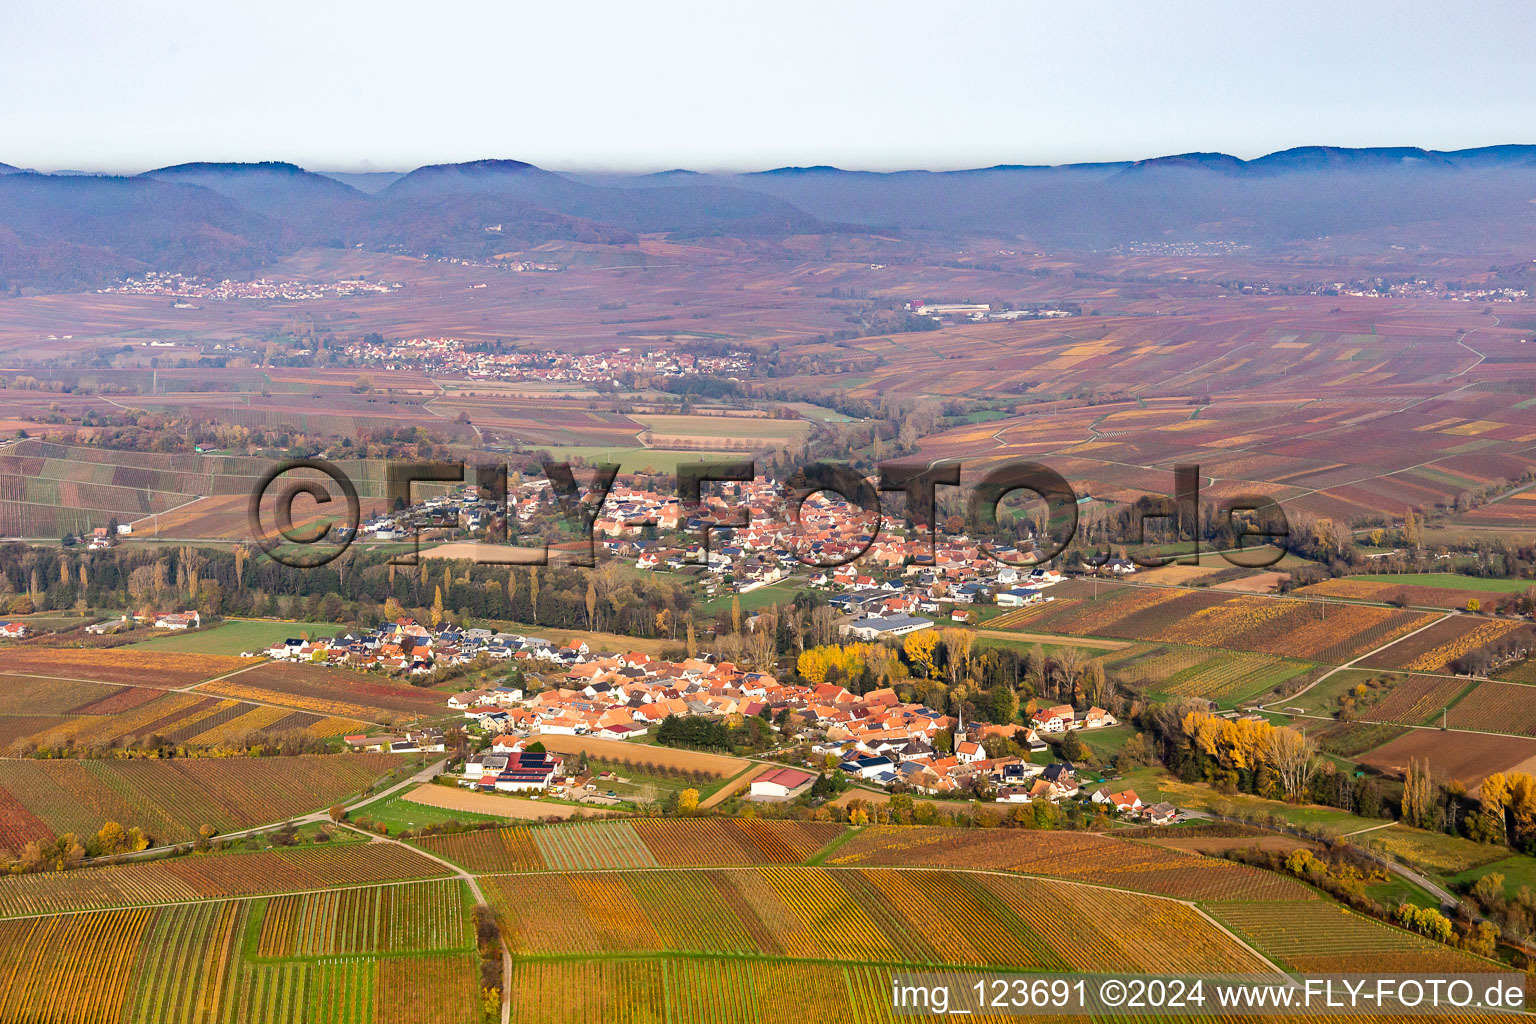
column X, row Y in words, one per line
column 1415, row 700
column 129, row 667
column 643, row 843
column 728, row 432
column 336, row 692
column 1452, row 755
column 1282, row 627
column 1224, row 677
column 701, row 991
column 1517, row 871
column 635, row 459
column 870, row 915
column 640, row 754
column 1377, row 697
column 424, row 805
column 1351, row 739
column 236, row 636
column 1492, row 706
column 170, row 799
column 1519, row 672
column 1080, row 856
column 213, row 877
column 1437, row 648
column 1432, row 590
column 127, row 712
column 198, row 962
column 1315, row 936
column 430, row 917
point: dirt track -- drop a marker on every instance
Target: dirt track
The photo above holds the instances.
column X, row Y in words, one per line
column 735, row 786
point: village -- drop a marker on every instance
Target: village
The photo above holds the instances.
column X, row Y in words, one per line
column 181, row 286
column 742, row 540
column 446, row 356
column 874, row 739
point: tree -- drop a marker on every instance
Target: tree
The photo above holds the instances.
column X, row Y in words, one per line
column 688, row 802
column 735, row 613
column 1005, row 704
column 437, row 606
column 112, row 839
column 1293, row 757
column 1492, row 797
column 1418, row 804
column 1073, row 748
column 957, row 652
column 71, row 853
column 337, row 812
column 1473, row 604
column 919, row 648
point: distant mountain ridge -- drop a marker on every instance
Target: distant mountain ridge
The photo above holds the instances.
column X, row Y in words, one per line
column 71, row 231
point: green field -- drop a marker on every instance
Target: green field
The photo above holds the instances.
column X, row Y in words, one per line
column 399, row 814
column 1105, row 743
column 235, row 636
column 1517, row 871
column 1452, row 581
column 783, row 592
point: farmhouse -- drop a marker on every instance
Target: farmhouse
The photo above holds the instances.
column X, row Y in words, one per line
column 1126, row 801
column 524, row 772
column 780, row 784
column 1057, row 719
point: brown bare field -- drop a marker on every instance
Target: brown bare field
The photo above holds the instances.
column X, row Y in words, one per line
column 457, row 799
column 1259, row 583
column 165, row 669
column 1175, row 575
column 641, row 753
column 486, row 553
column 1452, row 755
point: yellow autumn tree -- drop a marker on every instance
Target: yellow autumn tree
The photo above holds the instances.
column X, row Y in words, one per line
column 919, row 648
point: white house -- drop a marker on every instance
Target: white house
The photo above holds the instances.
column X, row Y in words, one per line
column 1098, row 718
column 1055, row 720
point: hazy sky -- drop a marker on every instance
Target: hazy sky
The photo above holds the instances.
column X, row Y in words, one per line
column 732, row 84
